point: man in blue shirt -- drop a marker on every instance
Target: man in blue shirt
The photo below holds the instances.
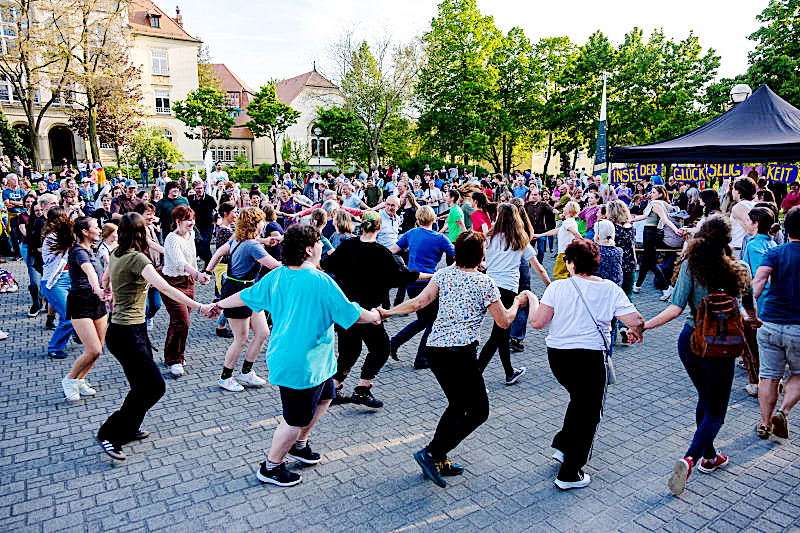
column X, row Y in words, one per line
column 13, row 196
column 519, row 190
column 779, row 336
column 304, row 304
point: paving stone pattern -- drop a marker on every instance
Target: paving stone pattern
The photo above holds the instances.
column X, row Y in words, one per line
column 196, row 472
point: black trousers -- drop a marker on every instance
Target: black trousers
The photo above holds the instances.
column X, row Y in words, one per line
column 350, row 340
column 461, row 378
column 652, row 238
column 583, row 374
column 498, row 340
column 202, row 242
column 131, row 347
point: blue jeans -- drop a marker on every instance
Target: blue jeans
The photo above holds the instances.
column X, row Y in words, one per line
column 541, row 247
column 590, row 234
column 57, row 297
column 34, row 278
column 145, row 178
column 712, row 377
column 153, row 302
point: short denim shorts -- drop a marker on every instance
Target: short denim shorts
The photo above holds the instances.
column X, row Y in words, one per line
column 778, row 346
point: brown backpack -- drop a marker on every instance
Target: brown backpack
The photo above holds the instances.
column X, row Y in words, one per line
column 719, row 330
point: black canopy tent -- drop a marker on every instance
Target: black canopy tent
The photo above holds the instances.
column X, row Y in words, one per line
column 765, row 127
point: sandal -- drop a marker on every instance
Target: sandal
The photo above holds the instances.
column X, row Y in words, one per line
column 763, row 431
column 780, row 426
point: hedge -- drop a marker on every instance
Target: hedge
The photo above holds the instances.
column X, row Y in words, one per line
column 245, row 176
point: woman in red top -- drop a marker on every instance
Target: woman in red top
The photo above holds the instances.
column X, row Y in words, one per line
column 480, row 216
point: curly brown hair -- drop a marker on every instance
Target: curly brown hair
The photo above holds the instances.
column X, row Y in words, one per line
column 711, row 260
column 59, row 230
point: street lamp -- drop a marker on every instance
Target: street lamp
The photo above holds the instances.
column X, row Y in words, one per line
column 317, row 133
column 740, row 93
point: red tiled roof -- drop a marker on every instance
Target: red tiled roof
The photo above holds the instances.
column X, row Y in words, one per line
column 233, row 83
column 230, row 81
column 137, row 19
column 287, row 90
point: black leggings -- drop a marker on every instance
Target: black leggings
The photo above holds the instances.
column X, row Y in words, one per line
column 498, row 340
column 652, row 238
column 457, row 371
column 350, row 340
column 583, row 374
column 130, row 345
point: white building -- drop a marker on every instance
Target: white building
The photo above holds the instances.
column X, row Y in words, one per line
column 304, row 93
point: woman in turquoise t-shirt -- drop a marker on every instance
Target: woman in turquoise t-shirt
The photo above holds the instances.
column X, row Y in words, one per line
column 304, row 304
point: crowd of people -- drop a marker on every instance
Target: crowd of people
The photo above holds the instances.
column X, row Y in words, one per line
column 313, row 257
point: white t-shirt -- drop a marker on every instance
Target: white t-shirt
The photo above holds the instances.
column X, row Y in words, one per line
column 503, row 265
column 737, row 230
column 565, row 237
column 572, row 327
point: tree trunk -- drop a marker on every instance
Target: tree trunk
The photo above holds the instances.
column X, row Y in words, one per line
column 33, row 139
column 549, row 152
column 91, row 105
column 575, row 158
column 116, row 153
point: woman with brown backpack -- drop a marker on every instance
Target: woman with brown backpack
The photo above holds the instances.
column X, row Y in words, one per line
column 710, row 278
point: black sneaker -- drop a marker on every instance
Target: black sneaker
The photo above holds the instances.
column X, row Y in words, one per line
column 340, row 398
column 304, row 456
column 278, row 476
column 76, row 339
column 449, row 468
column 429, row 468
column 516, row 345
column 58, row 354
column 35, row 310
column 421, row 363
column 50, row 323
column 141, row 435
column 363, row 396
column 224, row 333
column 518, row 373
column 112, row 450
column 393, row 351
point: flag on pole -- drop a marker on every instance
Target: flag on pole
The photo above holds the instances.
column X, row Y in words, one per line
column 600, row 165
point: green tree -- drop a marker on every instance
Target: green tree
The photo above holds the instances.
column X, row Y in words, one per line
column 150, row 142
column 376, row 81
column 455, row 93
column 348, row 135
column 205, row 114
column 269, row 117
column 205, row 73
column 398, row 140
column 776, row 58
column 9, row 139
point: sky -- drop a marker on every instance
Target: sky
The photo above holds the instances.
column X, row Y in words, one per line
column 261, row 40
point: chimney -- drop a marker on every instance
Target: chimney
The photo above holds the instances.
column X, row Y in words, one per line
column 178, row 17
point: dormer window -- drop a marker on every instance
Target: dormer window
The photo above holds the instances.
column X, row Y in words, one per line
column 155, row 20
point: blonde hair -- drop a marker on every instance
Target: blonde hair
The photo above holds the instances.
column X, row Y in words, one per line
column 108, row 229
column 618, row 213
column 571, row 209
column 343, row 221
column 247, row 224
column 425, row 216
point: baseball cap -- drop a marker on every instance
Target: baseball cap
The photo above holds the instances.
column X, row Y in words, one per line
column 130, row 184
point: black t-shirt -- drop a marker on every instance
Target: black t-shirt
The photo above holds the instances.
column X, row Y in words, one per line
column 366, row 271
column 102, row 216
column 78, row 255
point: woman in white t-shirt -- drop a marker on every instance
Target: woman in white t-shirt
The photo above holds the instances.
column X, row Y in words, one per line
column 574, row 342
column 507, row 244
column 567, row 232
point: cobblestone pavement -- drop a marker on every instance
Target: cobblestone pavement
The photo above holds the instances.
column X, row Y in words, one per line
column 196, row 472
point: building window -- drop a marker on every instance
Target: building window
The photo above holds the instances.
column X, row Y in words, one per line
column 228, row 156
column 168, row 135
column 160, row 66
column 6, row 90
column 105, row 146
column 244, row 151
column 155, row 21
column 232, row 98
column 324, row 146
column 162, row 103
column 8, row 29
column 235, row 152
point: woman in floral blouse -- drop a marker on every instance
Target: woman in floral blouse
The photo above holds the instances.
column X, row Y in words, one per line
column 465, row 295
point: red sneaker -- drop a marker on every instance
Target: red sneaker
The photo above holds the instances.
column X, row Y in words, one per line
column 707, row 466
column 680, row 475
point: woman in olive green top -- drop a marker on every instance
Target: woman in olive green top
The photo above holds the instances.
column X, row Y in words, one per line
column 129, row 274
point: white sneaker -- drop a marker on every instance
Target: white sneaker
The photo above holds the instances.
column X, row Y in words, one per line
column 85, row 389
column 584, row 481
column 230, row 384
column 251, row 379
column 637, row 289
column 12, row 288
column 666, row 294
column 3, row 335
column 752, row 389
column 176, row 370
column 71, row 389
column 558, row 455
